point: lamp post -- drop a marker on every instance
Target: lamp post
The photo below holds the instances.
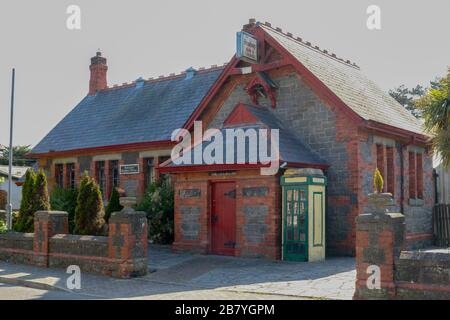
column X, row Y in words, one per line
column 9, row 214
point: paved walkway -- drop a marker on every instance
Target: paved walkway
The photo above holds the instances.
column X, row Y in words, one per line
column 185, row 276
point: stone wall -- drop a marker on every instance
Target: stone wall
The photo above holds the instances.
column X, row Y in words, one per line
column 122, row 254
column 423, row 274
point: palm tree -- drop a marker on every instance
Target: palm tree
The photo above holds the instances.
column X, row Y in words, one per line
column 435, row 105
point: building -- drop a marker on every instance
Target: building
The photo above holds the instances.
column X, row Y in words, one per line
column 330, row 117
column 16, row 187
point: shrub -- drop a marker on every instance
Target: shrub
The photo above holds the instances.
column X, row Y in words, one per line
column 65, row 200
column 3, row 228
column 89, row 212
column 158, row 203
column 378, row 181
column 25, row 218
column 113, row 204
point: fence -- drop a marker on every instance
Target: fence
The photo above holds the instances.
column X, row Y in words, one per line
column 441, row 224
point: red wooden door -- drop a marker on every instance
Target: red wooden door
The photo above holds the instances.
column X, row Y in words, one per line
column 223, row 218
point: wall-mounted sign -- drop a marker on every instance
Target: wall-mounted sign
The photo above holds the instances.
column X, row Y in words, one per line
column 247, row 47
column 129, row 169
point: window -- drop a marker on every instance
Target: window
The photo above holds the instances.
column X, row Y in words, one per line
column 412, row 174
column 59, row 175
column 390, row 171
column 149, row 173
column 70, row 171
column 165, row 176
column 114, row 168
column 381, row 162
column 419, row 175
column 100, row 175
column 385, row 163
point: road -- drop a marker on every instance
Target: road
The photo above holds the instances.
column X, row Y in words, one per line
column 12, row 292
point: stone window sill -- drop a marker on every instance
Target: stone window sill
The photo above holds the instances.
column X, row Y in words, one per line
column 416, row 202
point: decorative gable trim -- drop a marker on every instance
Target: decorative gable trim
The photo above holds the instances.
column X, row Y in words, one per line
column 261, row 84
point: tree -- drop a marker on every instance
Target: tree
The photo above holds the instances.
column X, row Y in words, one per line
column 435, row 107
column 89, row 213
column 113, row 204
column 19, row 156
column 25, row 218
column 407, row 97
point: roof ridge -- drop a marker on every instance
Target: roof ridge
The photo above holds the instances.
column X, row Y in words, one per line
column 309, row 45
column 171, row 76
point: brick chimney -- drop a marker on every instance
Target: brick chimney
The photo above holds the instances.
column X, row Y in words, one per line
column 98, row 69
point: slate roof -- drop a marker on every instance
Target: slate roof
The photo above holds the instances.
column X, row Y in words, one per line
column 144, row 111
column 292, row 149
column 359, row 93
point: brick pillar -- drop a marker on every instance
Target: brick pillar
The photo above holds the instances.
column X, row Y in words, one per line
column 379, row 239
column 128, row 241
column 46, row 225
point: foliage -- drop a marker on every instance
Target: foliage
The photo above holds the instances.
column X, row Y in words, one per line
column 25, row 219
column 2, row 179
column 378, row 181
column 158, row 203
column 65, row 200
column 113, row 204
column 19, row 158
column 41, row 200
column 435, row 107
column 3, row 228
column 89, row 212
column 407, row 97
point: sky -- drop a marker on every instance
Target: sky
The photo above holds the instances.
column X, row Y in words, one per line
column 152, row 38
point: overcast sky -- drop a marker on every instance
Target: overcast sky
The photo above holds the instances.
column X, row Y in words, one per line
column 152, row 38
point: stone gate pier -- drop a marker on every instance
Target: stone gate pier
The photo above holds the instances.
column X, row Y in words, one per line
column 384, row 269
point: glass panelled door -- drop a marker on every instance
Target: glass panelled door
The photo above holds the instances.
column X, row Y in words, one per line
column 295, row 238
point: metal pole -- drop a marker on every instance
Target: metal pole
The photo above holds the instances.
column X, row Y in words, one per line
column 9, row 218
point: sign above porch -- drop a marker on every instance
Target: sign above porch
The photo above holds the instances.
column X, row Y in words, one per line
column 247, row 47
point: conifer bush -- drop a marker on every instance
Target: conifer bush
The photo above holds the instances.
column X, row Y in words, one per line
column 25, row 218
column 113, row 204
column 89, row 212
column 41, row 199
